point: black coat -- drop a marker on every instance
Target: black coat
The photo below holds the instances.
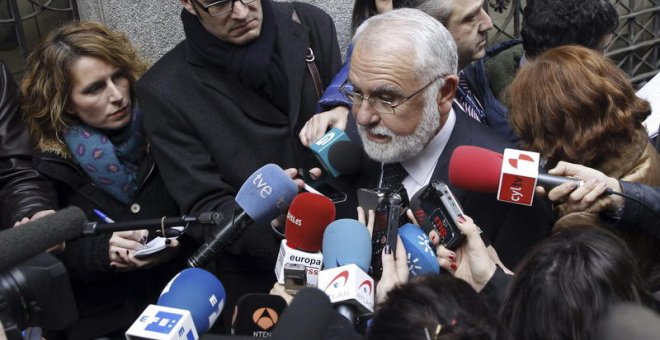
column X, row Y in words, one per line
column 108, row 300
column 23, row 191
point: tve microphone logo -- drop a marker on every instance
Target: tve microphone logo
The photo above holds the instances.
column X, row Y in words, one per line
column 518, row 177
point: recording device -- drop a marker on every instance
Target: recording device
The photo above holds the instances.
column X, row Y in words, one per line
column 313, row 307
column 37, row 292
column 32, row 238
column 512, row 176
column 347, row 255
column 307, row 218
column 388, row 206
column 321, row 187
column 264, row 196
column 295, row 277
column 420, row 254
column 257, row 314
column 441, row 209
column 186, row 309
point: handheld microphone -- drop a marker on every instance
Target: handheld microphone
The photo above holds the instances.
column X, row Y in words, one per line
column 257, row 314
column 347, row 255
column 513, row 176
column 310, row 305
column 187, row 308
column 336, row 153
column 421, row 257
column 95, row 228
column 265, row 195
column 308, row 216
column 27, row 240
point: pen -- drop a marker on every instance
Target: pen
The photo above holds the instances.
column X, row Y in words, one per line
column 103, row 216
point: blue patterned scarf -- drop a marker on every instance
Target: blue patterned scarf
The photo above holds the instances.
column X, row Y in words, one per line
column 113, row 163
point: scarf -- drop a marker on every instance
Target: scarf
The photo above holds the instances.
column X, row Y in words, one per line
column 256, row 64
column 111, row 162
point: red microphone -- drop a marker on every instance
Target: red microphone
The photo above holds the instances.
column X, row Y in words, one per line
column 300, row 259
column 482, row 170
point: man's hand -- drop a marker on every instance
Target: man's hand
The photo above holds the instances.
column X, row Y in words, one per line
column 36, row 216
column 589, row 196
column 316, row 126
column 471, row 262
column 395, row 270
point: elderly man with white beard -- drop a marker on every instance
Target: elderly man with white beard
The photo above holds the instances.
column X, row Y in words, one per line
column 402, row 80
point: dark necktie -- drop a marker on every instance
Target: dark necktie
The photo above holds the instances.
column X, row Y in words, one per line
column 393, row 175
column 468, row 101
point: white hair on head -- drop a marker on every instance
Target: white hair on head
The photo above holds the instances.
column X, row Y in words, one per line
column 433, row 48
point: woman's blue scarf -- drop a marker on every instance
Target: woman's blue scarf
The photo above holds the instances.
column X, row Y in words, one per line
column 111, row 164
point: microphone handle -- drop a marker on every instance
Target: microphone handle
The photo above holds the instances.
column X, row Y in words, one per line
column 94, row 228
column 548, row 182
column 221, row 238
column 348, row 311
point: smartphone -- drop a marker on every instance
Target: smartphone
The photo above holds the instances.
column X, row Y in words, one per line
column 442, row 210
column 322, row 187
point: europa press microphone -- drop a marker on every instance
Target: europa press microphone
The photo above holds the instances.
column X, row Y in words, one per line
column 300, row 260
column 186, row 309
column 264, row 196
column 346, row 259
column 513, row 175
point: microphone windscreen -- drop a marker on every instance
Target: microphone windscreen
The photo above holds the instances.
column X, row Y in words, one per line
column 421, row 257
column 198, row 292
column 475, row 169
column 257, row 314
column 266, row 194
column 309, row 215
column 420, row 215
column 27, row 240
column 346, row 241
column 306, row 318
column 346, row 157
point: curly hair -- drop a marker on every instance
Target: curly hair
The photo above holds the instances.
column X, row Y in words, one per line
column 571, row 103
column 551, row 23
column 47, row 83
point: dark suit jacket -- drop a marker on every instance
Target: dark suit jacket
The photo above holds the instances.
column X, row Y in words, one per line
column 512, row 229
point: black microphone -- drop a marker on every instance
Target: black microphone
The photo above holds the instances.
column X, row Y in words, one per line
column 257, row 314
column 265, row 195
column 306, row 318
column 346, row 157
column 27, row 240
column 95, row 228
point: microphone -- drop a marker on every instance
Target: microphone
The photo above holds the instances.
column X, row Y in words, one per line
column 306, row 318
column 347, row 255
column 513, row 176
column 257, row 314
column 421, row 257
column 306, row 221
column 95, row 228
column 265, row 195
column 336, row 153
column 186, row 309
column 27, row 240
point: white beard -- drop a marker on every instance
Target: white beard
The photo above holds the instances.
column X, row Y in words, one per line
column 401, row 148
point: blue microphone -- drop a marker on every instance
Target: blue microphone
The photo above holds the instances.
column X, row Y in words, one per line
column 187, row 308
column 421, row 257
column 346, row 241
column 264, row 196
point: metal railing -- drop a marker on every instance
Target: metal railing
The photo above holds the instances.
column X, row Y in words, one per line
column 635, row 46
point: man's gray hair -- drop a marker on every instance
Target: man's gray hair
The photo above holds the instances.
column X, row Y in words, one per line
column 439, row 9
column 433, row 48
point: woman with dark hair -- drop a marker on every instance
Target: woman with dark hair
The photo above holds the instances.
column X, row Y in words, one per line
column 572, row 104
column 87, row 128
column 568, row 282
column 434, row 307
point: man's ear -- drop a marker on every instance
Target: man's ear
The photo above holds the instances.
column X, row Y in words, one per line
column 189, row 6
column 446, row 94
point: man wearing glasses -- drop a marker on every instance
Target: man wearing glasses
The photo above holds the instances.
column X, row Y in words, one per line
column 229, row 99
column 402, row 81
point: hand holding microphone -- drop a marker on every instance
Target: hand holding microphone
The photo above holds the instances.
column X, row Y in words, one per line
column 395, row 270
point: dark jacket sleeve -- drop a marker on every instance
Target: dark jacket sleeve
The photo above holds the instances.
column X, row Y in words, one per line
column 637, row 216
column 23, row 191
column 495, row 290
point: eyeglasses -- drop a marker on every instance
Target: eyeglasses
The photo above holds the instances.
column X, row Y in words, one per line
column 381, row 106
column 221, row 7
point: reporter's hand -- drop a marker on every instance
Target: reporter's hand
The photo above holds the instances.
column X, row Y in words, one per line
column 395, row 270
column 471, row 261
column 122, row 243
column 367, row 219
column 36, row 216
column 278, row 289
column 317, row 126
